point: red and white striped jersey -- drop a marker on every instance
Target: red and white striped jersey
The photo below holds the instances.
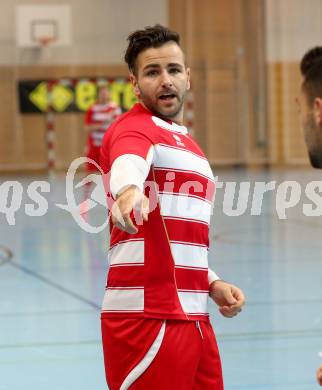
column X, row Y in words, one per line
column 102, row 115
column 161, row 271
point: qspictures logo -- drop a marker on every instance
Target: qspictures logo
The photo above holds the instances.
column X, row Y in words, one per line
column 239, row 198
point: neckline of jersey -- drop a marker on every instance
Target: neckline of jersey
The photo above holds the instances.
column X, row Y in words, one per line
column 176, row 128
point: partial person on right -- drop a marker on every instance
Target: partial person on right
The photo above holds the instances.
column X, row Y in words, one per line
column 310, row 110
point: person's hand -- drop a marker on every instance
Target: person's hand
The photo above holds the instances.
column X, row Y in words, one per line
column 228, row 297
column 319, row 375
column 132, row 199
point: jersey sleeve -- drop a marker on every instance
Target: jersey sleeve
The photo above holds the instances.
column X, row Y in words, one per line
column 127, row 142
column 128, row 170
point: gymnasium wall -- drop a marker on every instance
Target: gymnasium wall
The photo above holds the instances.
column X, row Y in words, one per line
column 243, row 56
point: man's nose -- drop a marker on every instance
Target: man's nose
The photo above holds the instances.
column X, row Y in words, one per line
column 166, row 79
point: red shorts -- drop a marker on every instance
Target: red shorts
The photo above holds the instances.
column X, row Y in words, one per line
column 146, row 354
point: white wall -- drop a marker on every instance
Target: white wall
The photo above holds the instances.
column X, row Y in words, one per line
column 99, row 30
column 292, row 27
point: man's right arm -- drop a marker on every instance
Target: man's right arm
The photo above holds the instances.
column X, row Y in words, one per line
column 128, row 174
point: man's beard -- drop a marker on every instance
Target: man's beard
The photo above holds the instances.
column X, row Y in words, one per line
column 313, row 138
column 154, row 108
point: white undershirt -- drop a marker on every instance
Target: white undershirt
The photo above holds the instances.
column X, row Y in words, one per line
column 130, row 169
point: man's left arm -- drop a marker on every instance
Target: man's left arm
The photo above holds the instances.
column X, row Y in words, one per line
column 228, row 297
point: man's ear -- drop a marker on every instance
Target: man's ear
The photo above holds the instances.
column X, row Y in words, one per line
column 188, row 79
column 134, row 82
column 318, row 111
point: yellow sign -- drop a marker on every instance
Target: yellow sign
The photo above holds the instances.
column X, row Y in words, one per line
column 70, row 95
column 61, row 97
column 39, row 96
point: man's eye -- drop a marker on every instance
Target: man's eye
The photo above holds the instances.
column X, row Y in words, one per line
column 152, row 73
column 175, row 70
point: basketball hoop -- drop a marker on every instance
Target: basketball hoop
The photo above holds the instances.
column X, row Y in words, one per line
column 45, row 41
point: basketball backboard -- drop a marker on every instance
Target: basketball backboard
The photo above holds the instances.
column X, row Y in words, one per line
column 37, row 25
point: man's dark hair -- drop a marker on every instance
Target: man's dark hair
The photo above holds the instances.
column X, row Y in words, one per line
column 149, row 37
column 311, row 69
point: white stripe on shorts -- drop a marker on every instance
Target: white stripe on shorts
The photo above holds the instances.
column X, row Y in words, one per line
column 146, row 361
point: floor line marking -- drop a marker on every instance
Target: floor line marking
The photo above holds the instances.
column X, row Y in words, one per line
column 54, row 285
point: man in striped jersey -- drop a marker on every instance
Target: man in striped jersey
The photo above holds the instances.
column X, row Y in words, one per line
column 97, row 119
column 155, row 322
